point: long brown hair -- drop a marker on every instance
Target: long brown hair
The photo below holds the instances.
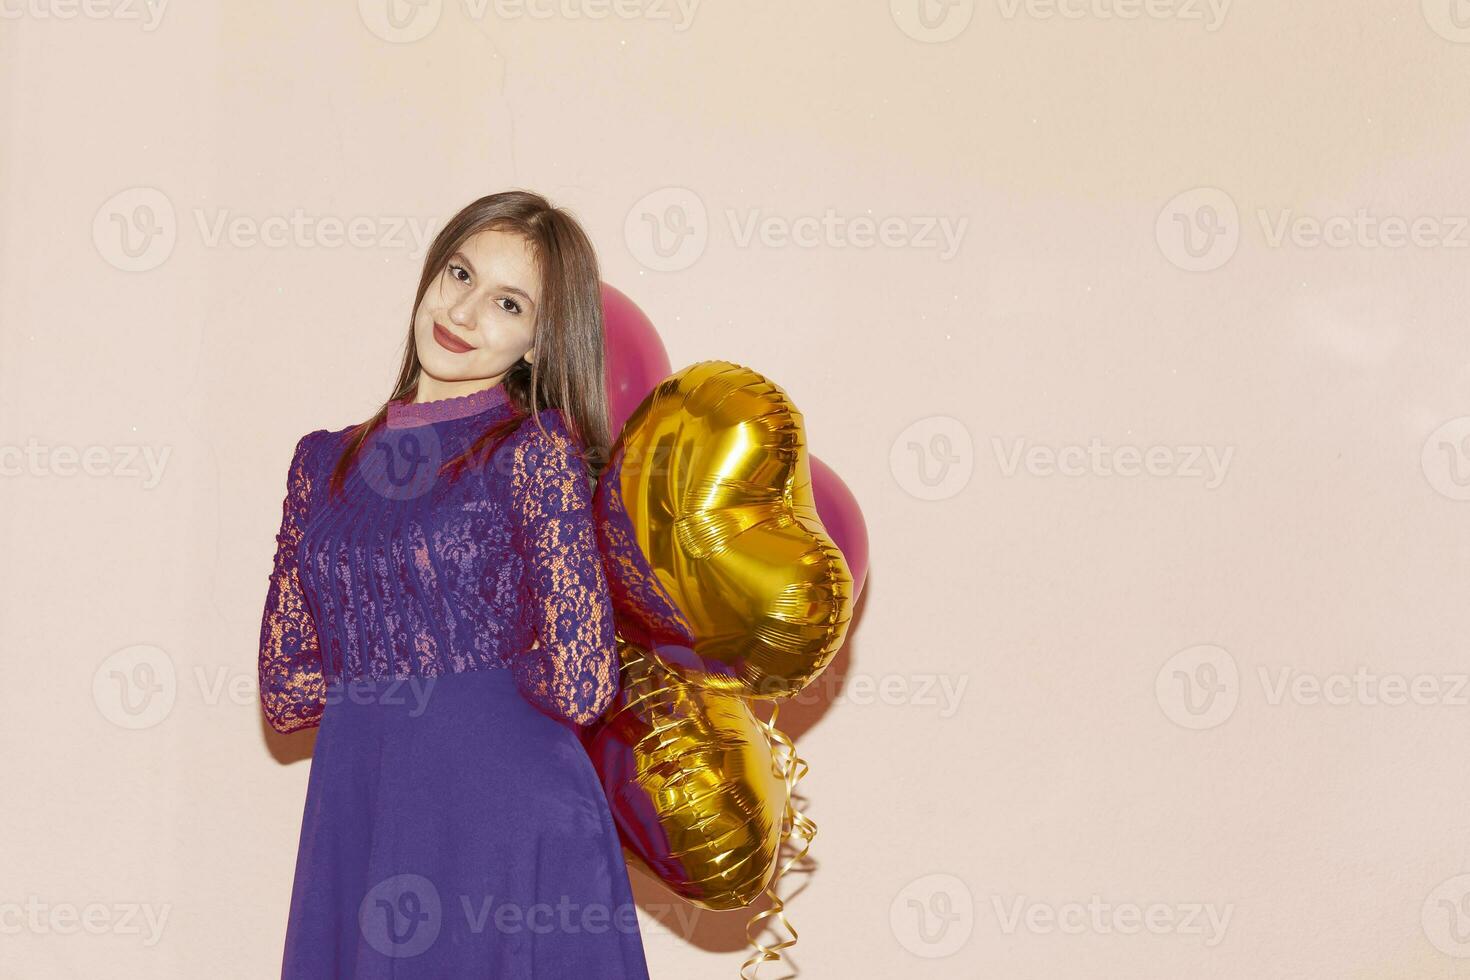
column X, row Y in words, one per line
column 567, row 372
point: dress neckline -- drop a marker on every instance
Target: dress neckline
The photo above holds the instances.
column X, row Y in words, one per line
column 403, row 413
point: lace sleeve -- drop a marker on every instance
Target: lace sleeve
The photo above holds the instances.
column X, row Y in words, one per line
column 571, row 669
column 292, row 689
column 644, row 612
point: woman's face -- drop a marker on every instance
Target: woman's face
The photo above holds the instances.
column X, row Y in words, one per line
column 478, row 316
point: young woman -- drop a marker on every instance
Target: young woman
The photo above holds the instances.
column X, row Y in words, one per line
column 438, row 610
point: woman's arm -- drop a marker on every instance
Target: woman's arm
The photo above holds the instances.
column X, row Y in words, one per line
column 292, row 690
column 571, row 671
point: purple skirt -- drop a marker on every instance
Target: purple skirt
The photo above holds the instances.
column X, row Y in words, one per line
column 452, row 830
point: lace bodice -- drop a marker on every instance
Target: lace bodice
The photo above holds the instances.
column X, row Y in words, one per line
column 411, row 574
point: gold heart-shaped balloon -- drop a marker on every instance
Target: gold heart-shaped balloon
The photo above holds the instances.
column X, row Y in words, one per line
column 717, row 561
column 691, row 781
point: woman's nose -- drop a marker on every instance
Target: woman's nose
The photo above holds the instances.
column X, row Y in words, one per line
column 463, row 313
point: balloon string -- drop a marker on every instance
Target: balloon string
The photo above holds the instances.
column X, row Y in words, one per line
column 790, row 768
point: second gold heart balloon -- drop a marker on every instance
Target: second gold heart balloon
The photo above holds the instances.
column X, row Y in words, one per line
column 692, row 783
column 719, row 564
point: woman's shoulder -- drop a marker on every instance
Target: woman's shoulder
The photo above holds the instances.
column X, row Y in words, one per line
column 323, row 437
column 545, row 440
column 320, row 447
column 549, row 426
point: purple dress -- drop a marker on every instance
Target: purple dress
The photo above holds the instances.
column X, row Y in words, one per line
column 448, row 638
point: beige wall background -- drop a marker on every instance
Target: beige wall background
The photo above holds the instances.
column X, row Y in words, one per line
column 1164, row 451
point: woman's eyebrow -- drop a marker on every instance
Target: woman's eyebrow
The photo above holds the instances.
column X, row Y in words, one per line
column 464, row 260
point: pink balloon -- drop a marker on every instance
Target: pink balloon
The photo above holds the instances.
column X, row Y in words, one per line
column 634, row 358
column 843, row 519
column 635, row 361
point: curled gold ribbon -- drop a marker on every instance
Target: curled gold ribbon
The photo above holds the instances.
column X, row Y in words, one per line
column 790, row 768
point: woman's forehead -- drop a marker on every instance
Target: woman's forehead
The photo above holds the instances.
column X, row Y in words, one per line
column 503, row 257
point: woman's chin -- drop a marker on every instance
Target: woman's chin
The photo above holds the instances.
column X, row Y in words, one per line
column 441, row 365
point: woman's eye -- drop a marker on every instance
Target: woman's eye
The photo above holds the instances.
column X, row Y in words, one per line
column 454, row 271
column 514, row 307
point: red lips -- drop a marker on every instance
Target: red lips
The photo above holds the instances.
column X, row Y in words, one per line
column 449, row 341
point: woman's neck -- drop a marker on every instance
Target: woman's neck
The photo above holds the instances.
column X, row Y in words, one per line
column 431, row 389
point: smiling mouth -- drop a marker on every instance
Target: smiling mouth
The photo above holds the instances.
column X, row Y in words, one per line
column 449, row 341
